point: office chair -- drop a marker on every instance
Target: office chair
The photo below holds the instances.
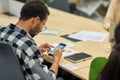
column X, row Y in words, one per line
column 96, row 66
column 10, row 68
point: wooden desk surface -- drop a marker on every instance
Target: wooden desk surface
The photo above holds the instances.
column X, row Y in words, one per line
column 67, row 24
column 5, row 19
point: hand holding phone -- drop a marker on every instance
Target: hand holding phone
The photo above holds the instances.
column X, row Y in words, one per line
column 60, row 46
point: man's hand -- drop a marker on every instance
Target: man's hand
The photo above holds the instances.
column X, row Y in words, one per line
column 107, row 26
column 45, row 47
column 57, row 55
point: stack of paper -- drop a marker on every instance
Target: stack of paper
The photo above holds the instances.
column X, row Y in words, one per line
column 68, row 51
column 50, row 32
column 70, row 67
column 89, row 35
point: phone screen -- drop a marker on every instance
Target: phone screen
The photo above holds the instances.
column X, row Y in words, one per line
column 60, row 46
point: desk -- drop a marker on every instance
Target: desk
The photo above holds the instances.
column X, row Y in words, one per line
column 67, row 24
column 5, row 20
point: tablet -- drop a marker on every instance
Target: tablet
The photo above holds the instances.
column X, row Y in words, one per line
column 77, row 57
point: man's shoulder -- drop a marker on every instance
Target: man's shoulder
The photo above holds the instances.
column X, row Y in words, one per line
column 2, row 28
column 14, row 35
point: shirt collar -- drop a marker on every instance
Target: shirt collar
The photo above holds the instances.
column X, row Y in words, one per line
column 19, row 29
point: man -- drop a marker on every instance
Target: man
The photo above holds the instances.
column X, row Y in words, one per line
column 33, row 17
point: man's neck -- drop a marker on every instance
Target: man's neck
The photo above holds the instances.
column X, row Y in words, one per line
column 24, row 24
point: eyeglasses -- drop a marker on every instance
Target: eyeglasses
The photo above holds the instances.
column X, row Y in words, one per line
column 44, row 28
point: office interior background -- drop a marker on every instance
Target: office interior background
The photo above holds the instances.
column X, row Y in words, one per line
column 94, row 9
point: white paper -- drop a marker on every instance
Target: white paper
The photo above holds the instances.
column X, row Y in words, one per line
column 50, row 32
column 70, row 66
column 69, row 44
column 89, row 35
column 68, row 51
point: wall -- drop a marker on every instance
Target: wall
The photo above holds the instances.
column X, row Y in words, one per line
column 4, row 5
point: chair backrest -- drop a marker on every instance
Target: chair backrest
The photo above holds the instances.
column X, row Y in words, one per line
column 96, row 67
column 10, row 68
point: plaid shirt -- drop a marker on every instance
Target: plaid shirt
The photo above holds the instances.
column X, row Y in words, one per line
column 26, row 50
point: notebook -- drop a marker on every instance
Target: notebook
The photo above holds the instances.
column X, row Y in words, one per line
column 77, row 57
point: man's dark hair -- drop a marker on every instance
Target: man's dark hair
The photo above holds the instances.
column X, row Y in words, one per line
column 34, row 8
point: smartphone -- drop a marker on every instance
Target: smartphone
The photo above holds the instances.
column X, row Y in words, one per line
column 60, row 46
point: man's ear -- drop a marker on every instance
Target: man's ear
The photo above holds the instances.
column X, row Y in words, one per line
column 36, row 20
